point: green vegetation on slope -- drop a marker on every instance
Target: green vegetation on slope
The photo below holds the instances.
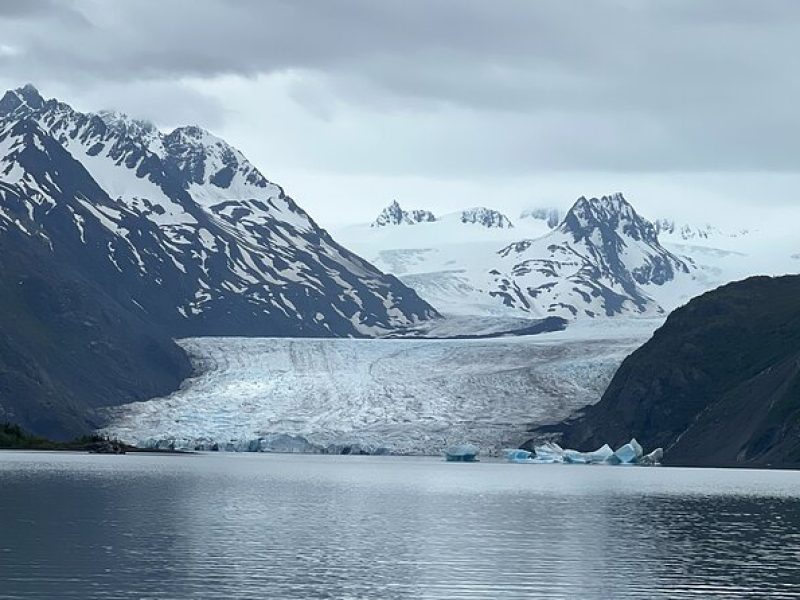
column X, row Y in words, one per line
column 13, row 437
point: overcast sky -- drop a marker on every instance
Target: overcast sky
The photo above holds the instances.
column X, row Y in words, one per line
column 688, row 107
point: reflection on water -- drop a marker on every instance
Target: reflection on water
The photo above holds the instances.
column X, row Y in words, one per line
column 269, row 526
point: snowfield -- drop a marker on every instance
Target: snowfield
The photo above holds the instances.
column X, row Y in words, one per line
column 377, row 395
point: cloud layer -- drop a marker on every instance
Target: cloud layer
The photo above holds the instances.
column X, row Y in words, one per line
column 437, row 88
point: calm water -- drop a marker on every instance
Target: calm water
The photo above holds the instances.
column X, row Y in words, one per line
column 278, row 526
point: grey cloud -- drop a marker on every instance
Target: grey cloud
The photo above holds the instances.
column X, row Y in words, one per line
column 607, row 84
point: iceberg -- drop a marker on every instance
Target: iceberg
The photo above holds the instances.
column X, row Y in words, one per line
column 653, row 459
column 574, row 457
column 462, row 453
column 601, row 455
column 517, row 455
column 629, row 453
column 551, row 453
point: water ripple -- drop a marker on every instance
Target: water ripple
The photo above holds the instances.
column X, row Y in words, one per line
column 287, row 527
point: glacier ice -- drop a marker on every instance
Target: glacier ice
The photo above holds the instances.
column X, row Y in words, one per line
column 601, row 455
column 654, row 458
column 462, row 453
column 629, row 453
column 550, row 453
column 518, row 455
column 397, row 396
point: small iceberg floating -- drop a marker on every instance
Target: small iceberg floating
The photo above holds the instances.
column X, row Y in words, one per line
column 551, row 453
column 518, row 455
column 462, row 453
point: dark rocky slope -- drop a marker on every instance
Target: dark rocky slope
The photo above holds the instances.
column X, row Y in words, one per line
column 67, row 347
column 718, row 384
column 116, row 238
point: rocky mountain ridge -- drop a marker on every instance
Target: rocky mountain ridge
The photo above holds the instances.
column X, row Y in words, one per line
column 185, row 228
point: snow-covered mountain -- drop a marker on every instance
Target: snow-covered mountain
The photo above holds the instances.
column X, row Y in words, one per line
column 182, row 228
column 493, row 219
column 446, row 260
column 603, row 259
column 395, row 215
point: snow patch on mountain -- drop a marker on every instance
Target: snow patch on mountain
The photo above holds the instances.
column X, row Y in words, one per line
column 603, row 260
column 182, row 224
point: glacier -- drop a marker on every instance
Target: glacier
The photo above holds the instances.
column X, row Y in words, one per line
column 399, row 396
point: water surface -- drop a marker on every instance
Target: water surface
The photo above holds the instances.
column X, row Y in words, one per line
column 303, row 526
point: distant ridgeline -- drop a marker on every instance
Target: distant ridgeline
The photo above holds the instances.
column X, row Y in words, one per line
column 116, row 238
column 718, row 384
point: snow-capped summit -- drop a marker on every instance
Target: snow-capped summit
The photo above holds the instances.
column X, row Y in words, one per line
column 604, row 259
column 486, row 217
column 25, row 97
column 181, row 227
column 395, row 215
column 612, row 216
column 551, row 216
column 126, row 125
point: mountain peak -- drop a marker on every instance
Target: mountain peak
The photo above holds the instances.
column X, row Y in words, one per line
column 603, row 259
column 608, row 214
column 395, row 215
column 192, row 132
column 120, row 121
column 30, row 94
column 487, row 217
column 26, row 95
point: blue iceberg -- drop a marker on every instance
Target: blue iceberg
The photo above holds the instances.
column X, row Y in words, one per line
column 462, row 453
column 518, row 455
column 551, row 453
column 630, row 453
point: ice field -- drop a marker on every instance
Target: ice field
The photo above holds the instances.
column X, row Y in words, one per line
column 400, row 396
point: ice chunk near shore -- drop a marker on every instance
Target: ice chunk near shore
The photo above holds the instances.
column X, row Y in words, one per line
column 462, row 453
column 601, row 455
column 550, row 453
column 576, row 458
column 518, row 455
column 652, row 459
column 629, row 453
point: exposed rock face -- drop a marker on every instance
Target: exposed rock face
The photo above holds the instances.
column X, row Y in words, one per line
column 718, row 384
column 395, row 215
column 487, row 217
